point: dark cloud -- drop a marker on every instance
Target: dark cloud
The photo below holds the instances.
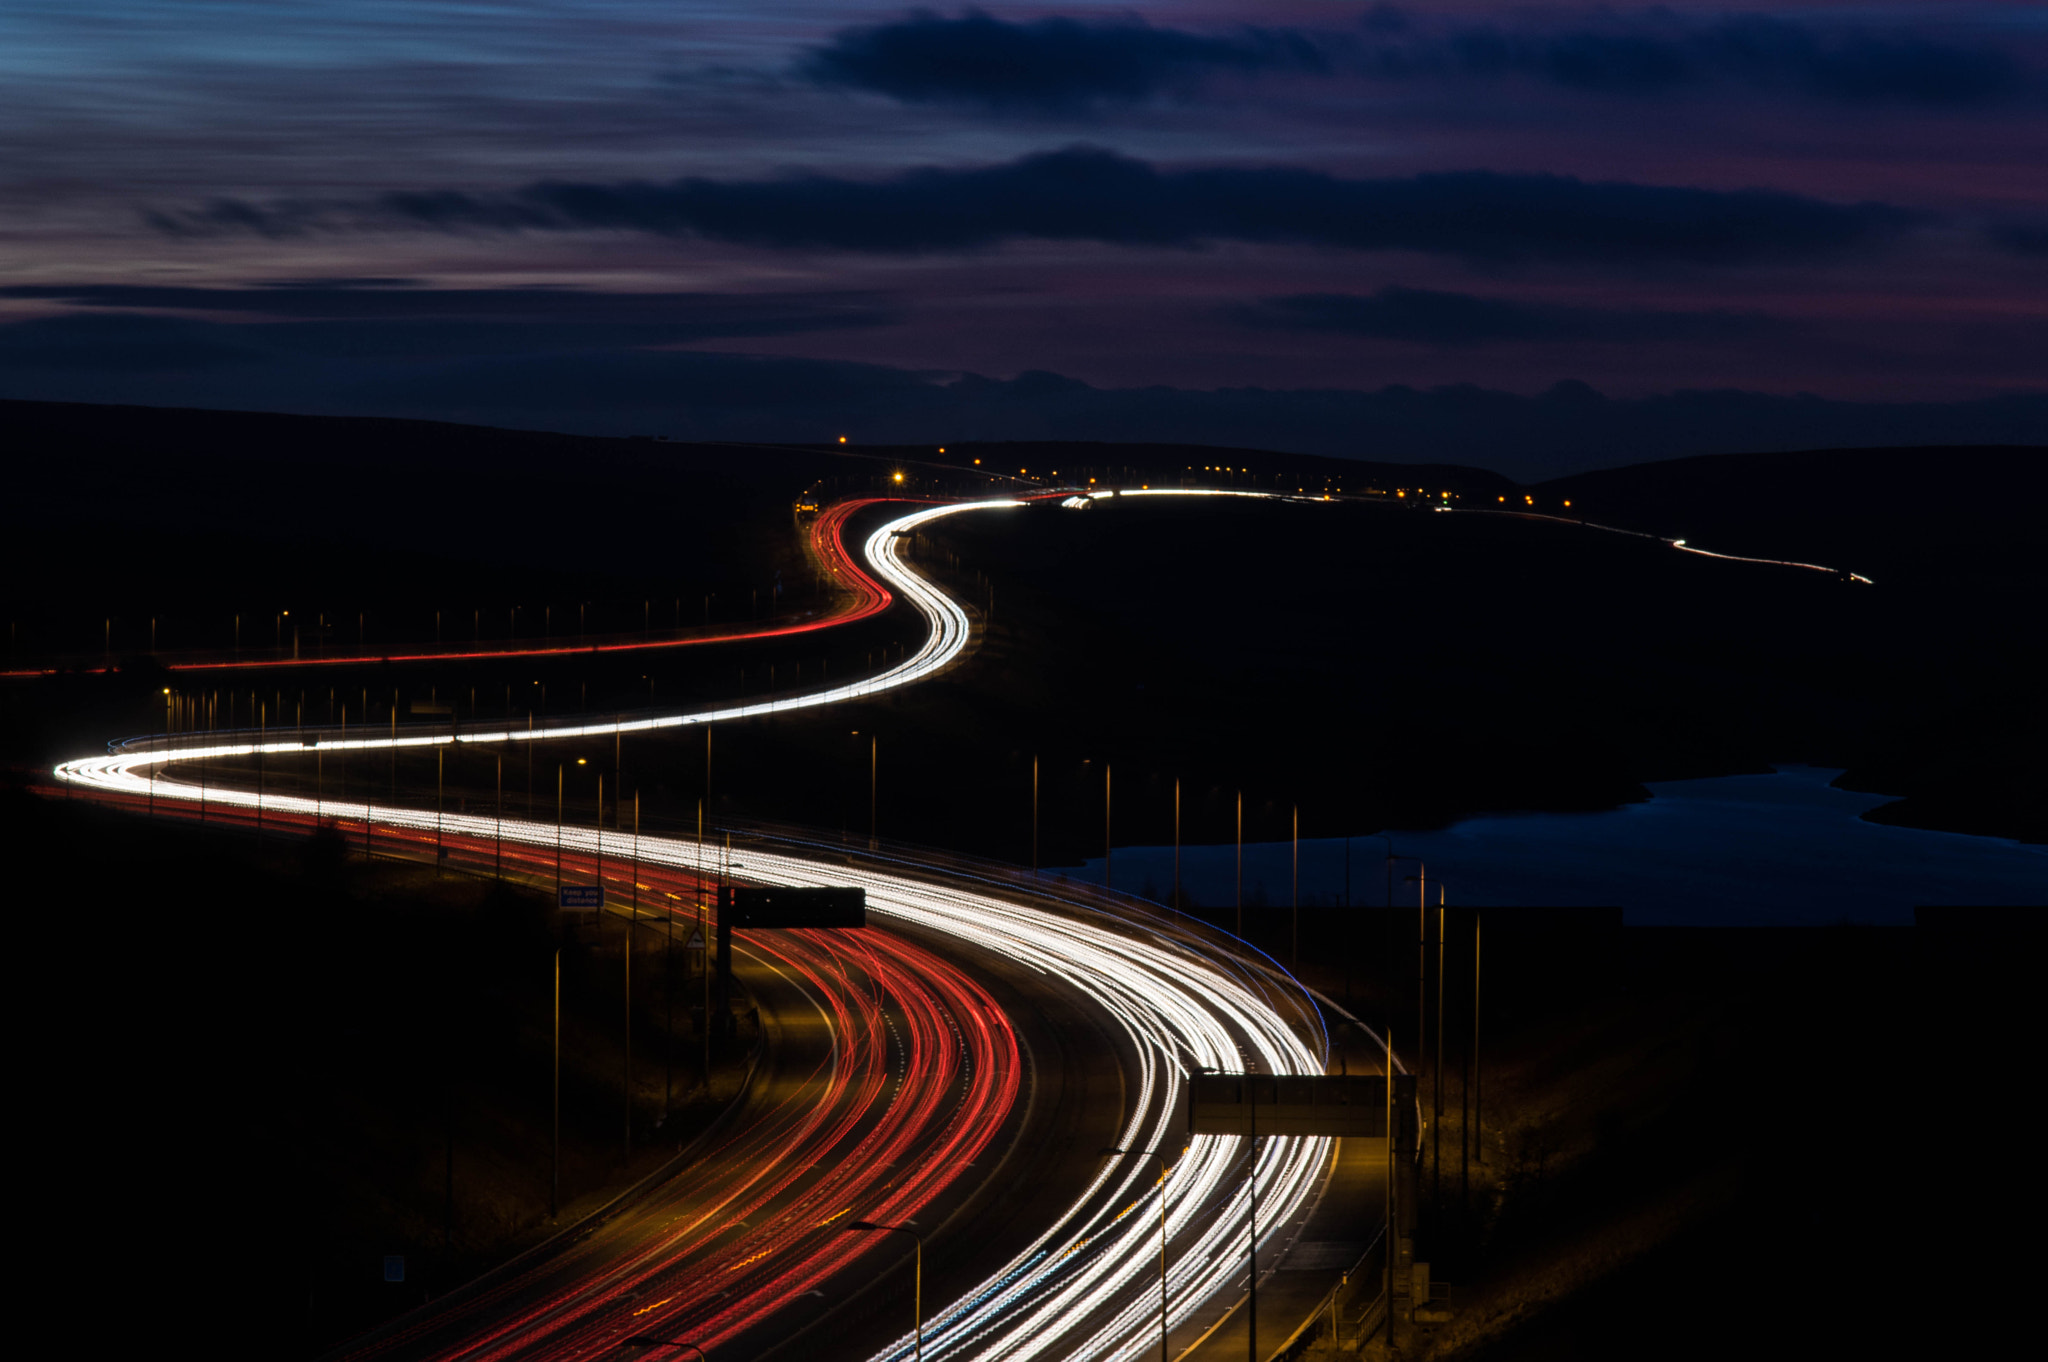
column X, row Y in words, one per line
column 1433, row 317
column 276, row 221
column 124, row 357
column 1657, row 51
column 1054, row 65
column 671, row 316
column 2021, row 238
column 1088, row 194
column 311, row 339
column 328, row 284
column 1063, row 66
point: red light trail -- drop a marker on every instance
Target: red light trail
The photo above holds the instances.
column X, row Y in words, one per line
column 765, row 1229
column 923, row 1072
column 861, row 597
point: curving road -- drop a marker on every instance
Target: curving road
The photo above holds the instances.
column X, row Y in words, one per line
column 1080, row 1283
column 752, row 1219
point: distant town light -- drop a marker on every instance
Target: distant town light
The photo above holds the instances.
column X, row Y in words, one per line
column 842, row 439
column 899, row 477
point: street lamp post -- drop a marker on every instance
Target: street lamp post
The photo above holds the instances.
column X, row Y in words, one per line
column 1159, row 1157
column 1176, row 845
column 1474, row 1145
column 1421, row 882
column 555, row 1180
column 704, row 945
column 1391, row 858
column 650, row 1341
column 1251, row 1187
column 632, row 920
column 1107, row 841
column 1436, row 1155
column 1294, row 891
column 1240, row 863
column 1387, row 1064
column 917, row 1281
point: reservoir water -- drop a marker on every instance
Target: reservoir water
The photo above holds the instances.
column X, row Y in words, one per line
column 1781, row 849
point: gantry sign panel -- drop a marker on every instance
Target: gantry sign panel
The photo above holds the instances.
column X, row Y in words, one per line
column 1289, row 1104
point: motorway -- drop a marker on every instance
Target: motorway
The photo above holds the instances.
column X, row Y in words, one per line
column 961, row 1066
column 890, row 1058
column 885, row 1069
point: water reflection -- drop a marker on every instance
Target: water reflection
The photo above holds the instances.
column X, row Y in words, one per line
column 1782, row 849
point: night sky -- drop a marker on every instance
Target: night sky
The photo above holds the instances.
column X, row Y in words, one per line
column 1537, row 239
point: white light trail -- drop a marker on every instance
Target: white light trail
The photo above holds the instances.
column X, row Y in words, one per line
column 1084, row 1287
column 1684, row 547
column 1678, row 544
column 945, row 640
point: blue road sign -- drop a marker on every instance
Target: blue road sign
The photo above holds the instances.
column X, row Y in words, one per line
column 394, row 1267
column 581, row 898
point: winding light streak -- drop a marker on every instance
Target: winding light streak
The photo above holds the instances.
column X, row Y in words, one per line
column 1678, row 544
column 1684, row 547
column 946, row 640
column 1082, row 1288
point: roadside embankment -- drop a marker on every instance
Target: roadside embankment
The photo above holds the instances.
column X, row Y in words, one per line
column 1713, row 1143
column 306, row 1062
